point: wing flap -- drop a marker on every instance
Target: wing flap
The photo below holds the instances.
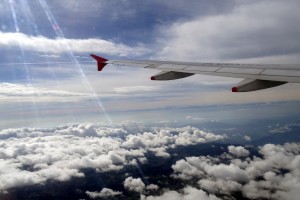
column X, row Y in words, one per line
column 248, row 85
column 164, row 76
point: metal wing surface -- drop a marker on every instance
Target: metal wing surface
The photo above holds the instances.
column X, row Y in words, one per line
column 257, row 76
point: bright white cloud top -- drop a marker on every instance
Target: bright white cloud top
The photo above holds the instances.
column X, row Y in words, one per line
column 60, row 153
column 253, row 177
column 134, row 184
column 105, row 193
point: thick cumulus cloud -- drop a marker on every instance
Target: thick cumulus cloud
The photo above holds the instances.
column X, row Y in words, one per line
column 164, row 137
column 152, row 187
column 60, row 153
column 62, row 45
column 238, row 151
column 252, row 29
column 134, row 184
column 273, row 175
column 104, row 193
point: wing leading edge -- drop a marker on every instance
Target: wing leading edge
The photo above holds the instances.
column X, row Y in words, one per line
column 257, row 76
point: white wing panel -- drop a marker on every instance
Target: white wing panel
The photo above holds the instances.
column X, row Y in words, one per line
column 240, row 70
column 202, row 68
column 171, row 66
column 278, row 72
column 137, row 64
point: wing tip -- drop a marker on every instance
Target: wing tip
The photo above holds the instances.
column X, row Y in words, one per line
column 101, row 62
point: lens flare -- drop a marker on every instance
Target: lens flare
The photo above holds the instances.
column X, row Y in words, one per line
column 28, row 78
column 58, row 31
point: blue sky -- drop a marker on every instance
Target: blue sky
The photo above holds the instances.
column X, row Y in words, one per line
column 47, row 77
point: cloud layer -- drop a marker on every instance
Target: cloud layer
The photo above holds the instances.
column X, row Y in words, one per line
column 273, row 175
column 31, row 156
column 60, row 153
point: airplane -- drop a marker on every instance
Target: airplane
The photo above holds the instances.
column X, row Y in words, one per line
column 256, row 76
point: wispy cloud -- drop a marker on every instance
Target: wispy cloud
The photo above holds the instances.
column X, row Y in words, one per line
column 135, row 89
column 19, row 92
column 63, row 45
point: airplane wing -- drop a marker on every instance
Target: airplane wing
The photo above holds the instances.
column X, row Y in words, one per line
column 256, row 76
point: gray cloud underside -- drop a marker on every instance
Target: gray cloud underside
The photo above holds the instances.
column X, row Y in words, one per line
column 60, row 153
column 251, row 30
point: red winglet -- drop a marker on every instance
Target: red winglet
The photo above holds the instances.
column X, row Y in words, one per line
column 100, row 61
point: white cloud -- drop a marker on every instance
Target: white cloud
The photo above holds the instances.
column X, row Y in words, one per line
column 247, row 138
column 135, row 89
column 252, row 29
column 238, row 151
column 152, row 187
column 220, row 186
column 160, row 152
column 19, row 92
column 63, row 45
column 284, row 128
column 134, row 184
column 105, row 192
column 195, row 119
column 164, row 138
column 274, row 175
column 60, row 153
